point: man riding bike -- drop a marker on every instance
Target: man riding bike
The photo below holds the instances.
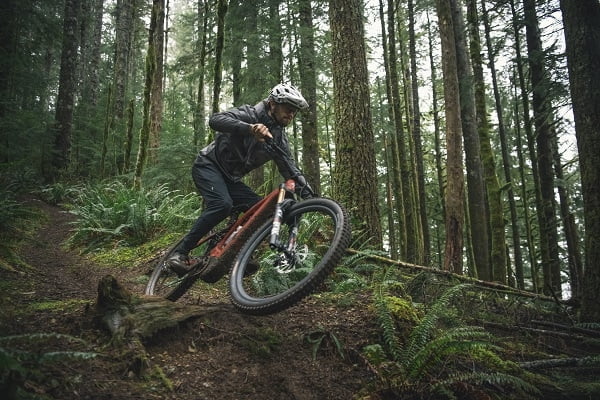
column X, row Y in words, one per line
column 239, row 148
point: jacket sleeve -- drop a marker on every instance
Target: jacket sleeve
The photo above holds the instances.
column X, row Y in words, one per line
column 235, row 120
column 285, row 164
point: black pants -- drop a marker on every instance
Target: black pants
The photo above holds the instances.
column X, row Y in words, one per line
column 220, row 196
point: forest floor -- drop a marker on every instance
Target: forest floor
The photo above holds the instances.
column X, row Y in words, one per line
column 223, row 355
column 310, row 351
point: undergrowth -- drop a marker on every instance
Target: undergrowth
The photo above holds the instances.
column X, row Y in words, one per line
column 116, row 214
column 23, row 368
column 419, row 347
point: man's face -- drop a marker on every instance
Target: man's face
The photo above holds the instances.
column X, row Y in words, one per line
column 283, row 113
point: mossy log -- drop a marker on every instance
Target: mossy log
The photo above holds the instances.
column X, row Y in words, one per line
column 128, row 316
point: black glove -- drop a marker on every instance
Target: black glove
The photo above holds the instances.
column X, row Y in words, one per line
column 303, row 189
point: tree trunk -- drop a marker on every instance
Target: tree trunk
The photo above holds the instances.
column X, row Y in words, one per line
column 506, row 163
column 543, row 138
column 150, row 75
column 497, row 269
column 416, row 132
column 582, row 34
column 67, row 87
column 308, row 77
column 355, row 178
column 221, row 11
column 199, row 114
column 527, row 124
column 392, row 166
column 156, row 104
column 439, row 168
column 453, row 253
column 478, row 221
column 403, row 209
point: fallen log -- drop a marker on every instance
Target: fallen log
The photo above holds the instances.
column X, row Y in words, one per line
column 561, row 363
column 125, row 314
column 130, row 318
column 496, row 286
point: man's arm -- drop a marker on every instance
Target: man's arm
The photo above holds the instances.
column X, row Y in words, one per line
column 236, row 120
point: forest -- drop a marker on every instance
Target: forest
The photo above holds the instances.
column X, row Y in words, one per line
column 463, row 137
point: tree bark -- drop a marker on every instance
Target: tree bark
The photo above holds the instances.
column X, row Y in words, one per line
column 453, row 252
column 543, row 138
column 582, row 34
column 67, row 87
column 506, row 164
column 355, row 177
column 416, row 132
column 221, row 11
column 497, row 268
column 147, row 99
column 156, row 103
column 308, row 77
column 476, row 204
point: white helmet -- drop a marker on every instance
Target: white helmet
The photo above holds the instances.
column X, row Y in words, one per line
column 284, row 93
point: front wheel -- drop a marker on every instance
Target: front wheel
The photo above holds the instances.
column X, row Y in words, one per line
column 313, row 238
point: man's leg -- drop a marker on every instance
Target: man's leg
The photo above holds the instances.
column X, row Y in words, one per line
column 218, row 204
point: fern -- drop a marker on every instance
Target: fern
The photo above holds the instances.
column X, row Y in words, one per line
column 428, row 349
column 495, row 378
column 18, row 366
column 425, row 330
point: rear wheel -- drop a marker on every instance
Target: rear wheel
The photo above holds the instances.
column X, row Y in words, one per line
column 165, row 283
column 313, row 238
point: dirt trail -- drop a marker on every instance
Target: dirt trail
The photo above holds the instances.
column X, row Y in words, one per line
column 226, row 355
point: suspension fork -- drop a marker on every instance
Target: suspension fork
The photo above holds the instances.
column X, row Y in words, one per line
column 277, row 220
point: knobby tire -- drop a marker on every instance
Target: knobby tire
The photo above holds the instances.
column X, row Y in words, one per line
column 325, row 234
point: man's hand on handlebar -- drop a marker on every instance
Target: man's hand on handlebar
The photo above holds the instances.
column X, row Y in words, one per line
column 260, row 132
column 303, row 189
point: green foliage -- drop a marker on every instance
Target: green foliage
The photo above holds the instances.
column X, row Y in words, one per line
column 262, row 342
column 16, row 223
column 18, row 367
column 353, row 272
column 59, row 192
column 320, row 337
column 426, row 351
column 117, row 214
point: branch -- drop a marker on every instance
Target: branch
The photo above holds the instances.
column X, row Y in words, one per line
column 484, row 284
column 560, row 362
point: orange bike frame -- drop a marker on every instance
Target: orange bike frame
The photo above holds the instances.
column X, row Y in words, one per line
column 250, row 216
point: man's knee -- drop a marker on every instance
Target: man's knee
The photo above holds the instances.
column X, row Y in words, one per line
column 221, row 208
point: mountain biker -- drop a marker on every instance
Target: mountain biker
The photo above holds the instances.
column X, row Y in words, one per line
column 239, row 148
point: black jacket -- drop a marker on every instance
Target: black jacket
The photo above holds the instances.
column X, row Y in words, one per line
column 235, row 150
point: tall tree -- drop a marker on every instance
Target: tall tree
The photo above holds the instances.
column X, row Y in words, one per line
column 397, row 235
column 151, row 57
column 308, row 78
column 476, row 204
column 156, row 106
column 497, row 270
column 355, row 177
column 416, row 132
column 582, row 34
column 516, row 21
column 221, row 12
column 543, row 138
column 453, row 252
column 402, row 194
column 67, row 86
column 516, row 236
column 201, row 48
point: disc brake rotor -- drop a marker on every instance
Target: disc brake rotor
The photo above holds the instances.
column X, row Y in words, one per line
column 286, row 264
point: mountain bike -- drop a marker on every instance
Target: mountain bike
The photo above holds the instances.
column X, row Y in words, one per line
column 277, row 252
